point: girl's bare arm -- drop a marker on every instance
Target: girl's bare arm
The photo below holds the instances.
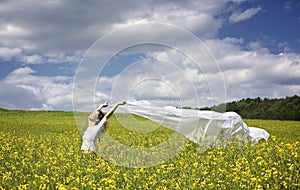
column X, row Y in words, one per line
column 111, row 111
column 102, row 106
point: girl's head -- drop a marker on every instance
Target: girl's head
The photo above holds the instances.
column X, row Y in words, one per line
column 96, row 117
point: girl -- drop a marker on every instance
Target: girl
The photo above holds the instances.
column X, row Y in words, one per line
column 97, row 126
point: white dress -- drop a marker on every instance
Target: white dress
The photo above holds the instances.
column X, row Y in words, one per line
column 91, row 134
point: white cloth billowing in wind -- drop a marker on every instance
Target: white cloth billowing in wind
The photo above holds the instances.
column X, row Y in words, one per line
column 202, row 127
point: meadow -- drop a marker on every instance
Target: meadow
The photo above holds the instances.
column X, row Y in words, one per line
column 41, row 150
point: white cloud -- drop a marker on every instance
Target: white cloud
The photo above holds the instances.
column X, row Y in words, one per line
column 152, row 81
column 256, row 72
column 258, row 47
column 245, row 15
column 168, row 73
column 11, row 30
column 20, row 72
column 204, row 24
column 20, row 55
column 36, row 92
column 56, row 31
column 55, row 27
column 9, row 53
column 13, row 97
column 167, row 78
column 32, row 59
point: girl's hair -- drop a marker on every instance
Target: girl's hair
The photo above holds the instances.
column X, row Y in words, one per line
column 95, row 117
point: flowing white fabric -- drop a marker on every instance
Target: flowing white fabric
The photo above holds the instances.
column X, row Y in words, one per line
column 202, row 127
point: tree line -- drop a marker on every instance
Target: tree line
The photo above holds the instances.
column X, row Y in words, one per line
column 287, row 108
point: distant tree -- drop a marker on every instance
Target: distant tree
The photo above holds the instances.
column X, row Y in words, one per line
column 287, row 108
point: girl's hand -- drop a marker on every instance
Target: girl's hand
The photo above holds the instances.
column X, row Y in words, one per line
column 105, row 104
column 122, row 102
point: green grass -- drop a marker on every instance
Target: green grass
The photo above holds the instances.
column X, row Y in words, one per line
column 41, row 150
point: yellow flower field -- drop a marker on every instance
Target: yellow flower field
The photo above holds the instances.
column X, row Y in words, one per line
column 41, row 150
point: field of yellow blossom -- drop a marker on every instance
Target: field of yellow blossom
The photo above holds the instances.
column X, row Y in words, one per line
column 41, row 150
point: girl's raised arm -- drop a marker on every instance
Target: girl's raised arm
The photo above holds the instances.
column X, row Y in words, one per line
column 111, row 111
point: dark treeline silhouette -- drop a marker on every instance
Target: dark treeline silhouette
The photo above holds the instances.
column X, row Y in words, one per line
column 287, row 108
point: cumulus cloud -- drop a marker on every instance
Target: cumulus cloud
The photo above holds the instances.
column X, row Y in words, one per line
column 13, row 97
column 32, row 59
column 53, row 31
column 252, row 73
column 19, row 55
column 204, row 24
column 169, row 75
column 21, row 72
column 23, row 89
column 9, row 53
column 46, row 27
column 245, row 15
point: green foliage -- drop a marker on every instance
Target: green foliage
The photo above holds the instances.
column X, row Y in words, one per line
column 275, row 109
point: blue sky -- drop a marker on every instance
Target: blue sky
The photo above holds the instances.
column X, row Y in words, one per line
column 256, row 45
column 275, row 22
